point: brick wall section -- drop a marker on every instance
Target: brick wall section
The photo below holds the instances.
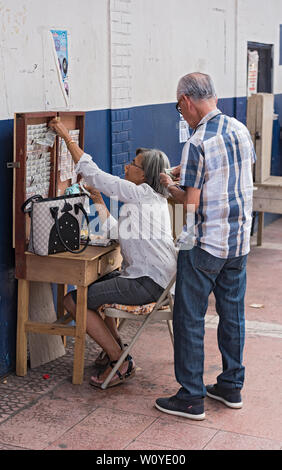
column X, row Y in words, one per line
column 121, row 140
column 121, row 84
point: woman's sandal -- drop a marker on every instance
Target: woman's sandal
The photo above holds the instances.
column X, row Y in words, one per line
column 102, row 360
column 119, row 377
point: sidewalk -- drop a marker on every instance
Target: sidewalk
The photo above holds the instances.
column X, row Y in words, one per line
column 54, row 414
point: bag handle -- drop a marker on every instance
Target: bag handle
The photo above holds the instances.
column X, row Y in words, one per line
column 35, row 198
column 54, row 212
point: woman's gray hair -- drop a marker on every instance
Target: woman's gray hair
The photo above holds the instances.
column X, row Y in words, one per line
column 154, row 162
column 196, row 85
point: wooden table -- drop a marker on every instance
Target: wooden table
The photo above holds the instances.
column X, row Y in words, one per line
column 267, row 198
column 62, row 269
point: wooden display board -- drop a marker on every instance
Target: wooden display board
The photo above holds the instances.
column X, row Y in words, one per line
column 39, row 169
column 260, row 123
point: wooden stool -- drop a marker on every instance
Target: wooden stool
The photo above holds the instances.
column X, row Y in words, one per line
column 62, row 269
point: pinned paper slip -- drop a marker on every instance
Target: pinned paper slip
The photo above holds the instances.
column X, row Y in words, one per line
column 48, row 140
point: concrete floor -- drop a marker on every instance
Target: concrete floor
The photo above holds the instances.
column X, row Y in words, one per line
column 54, row 414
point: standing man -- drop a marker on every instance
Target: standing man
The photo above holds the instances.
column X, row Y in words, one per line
column 216, row 179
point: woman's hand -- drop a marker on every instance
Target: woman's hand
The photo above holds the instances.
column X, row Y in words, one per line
column 75, row 151
column 60, row 128
column 165, row 180
column 176, row 172
column 96, row 196
column 99, row 202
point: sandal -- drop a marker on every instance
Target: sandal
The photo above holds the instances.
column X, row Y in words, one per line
column 102, row 360
column 119, row 377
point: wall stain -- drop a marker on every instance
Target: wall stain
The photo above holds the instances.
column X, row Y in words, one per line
column 29, row 71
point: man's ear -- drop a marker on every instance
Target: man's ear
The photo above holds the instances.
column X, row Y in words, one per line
column 189, row 103
column 186, row 99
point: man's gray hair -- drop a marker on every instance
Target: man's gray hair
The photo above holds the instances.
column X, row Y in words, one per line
column 196, row 85
column 154, row 162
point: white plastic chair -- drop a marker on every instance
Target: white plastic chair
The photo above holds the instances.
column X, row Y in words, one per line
column 158, row 313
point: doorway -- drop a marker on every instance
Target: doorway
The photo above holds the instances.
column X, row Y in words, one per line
column 265, row 66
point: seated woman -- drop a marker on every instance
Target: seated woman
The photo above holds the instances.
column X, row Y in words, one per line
column 149, row 259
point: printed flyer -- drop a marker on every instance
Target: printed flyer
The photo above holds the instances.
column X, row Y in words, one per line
column 61, row 47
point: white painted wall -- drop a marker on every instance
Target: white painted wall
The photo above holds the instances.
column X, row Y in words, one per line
column 178, row 37
column 258, row 21
column 160, row 40
column 25, row 67
column 175, row 37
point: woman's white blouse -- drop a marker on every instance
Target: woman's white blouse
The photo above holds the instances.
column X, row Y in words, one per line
column 143, row 228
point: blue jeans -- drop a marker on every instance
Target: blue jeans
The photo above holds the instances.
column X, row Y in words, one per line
column 198, row 274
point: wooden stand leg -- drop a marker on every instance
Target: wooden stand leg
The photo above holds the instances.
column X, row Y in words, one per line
column 260, row 228
column 61, row 292
column 79, row 348
column 23, row 306
column 170, row 329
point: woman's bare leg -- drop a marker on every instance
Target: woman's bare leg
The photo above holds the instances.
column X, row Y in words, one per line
column 97, row 329
column 112, row 325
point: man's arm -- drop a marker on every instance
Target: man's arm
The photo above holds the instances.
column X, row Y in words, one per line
column 175, row 191
column 192, row 199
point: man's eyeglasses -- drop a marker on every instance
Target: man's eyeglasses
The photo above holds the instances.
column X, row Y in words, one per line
column 178, row 107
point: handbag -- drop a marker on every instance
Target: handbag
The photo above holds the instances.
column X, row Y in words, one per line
column 56, row 224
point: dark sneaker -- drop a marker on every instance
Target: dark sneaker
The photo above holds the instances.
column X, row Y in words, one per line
column 229, row 396
column 192, row 409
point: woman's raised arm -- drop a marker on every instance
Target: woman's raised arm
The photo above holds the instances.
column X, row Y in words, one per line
column 60, row 128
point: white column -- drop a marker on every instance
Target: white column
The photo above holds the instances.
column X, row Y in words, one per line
column 121, row 53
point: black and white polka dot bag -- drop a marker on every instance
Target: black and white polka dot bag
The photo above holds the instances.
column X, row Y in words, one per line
column 56, row 224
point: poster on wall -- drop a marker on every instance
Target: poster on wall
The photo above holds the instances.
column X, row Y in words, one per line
column 184, row 133
column 60, row 38
column 253, row 60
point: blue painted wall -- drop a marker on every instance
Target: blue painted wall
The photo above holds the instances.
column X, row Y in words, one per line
column 8, row 294
column 157, row 125
column 98, row 137
column 280, row 51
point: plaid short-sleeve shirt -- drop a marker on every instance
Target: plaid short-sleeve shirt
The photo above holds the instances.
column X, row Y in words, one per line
column 218, row 160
